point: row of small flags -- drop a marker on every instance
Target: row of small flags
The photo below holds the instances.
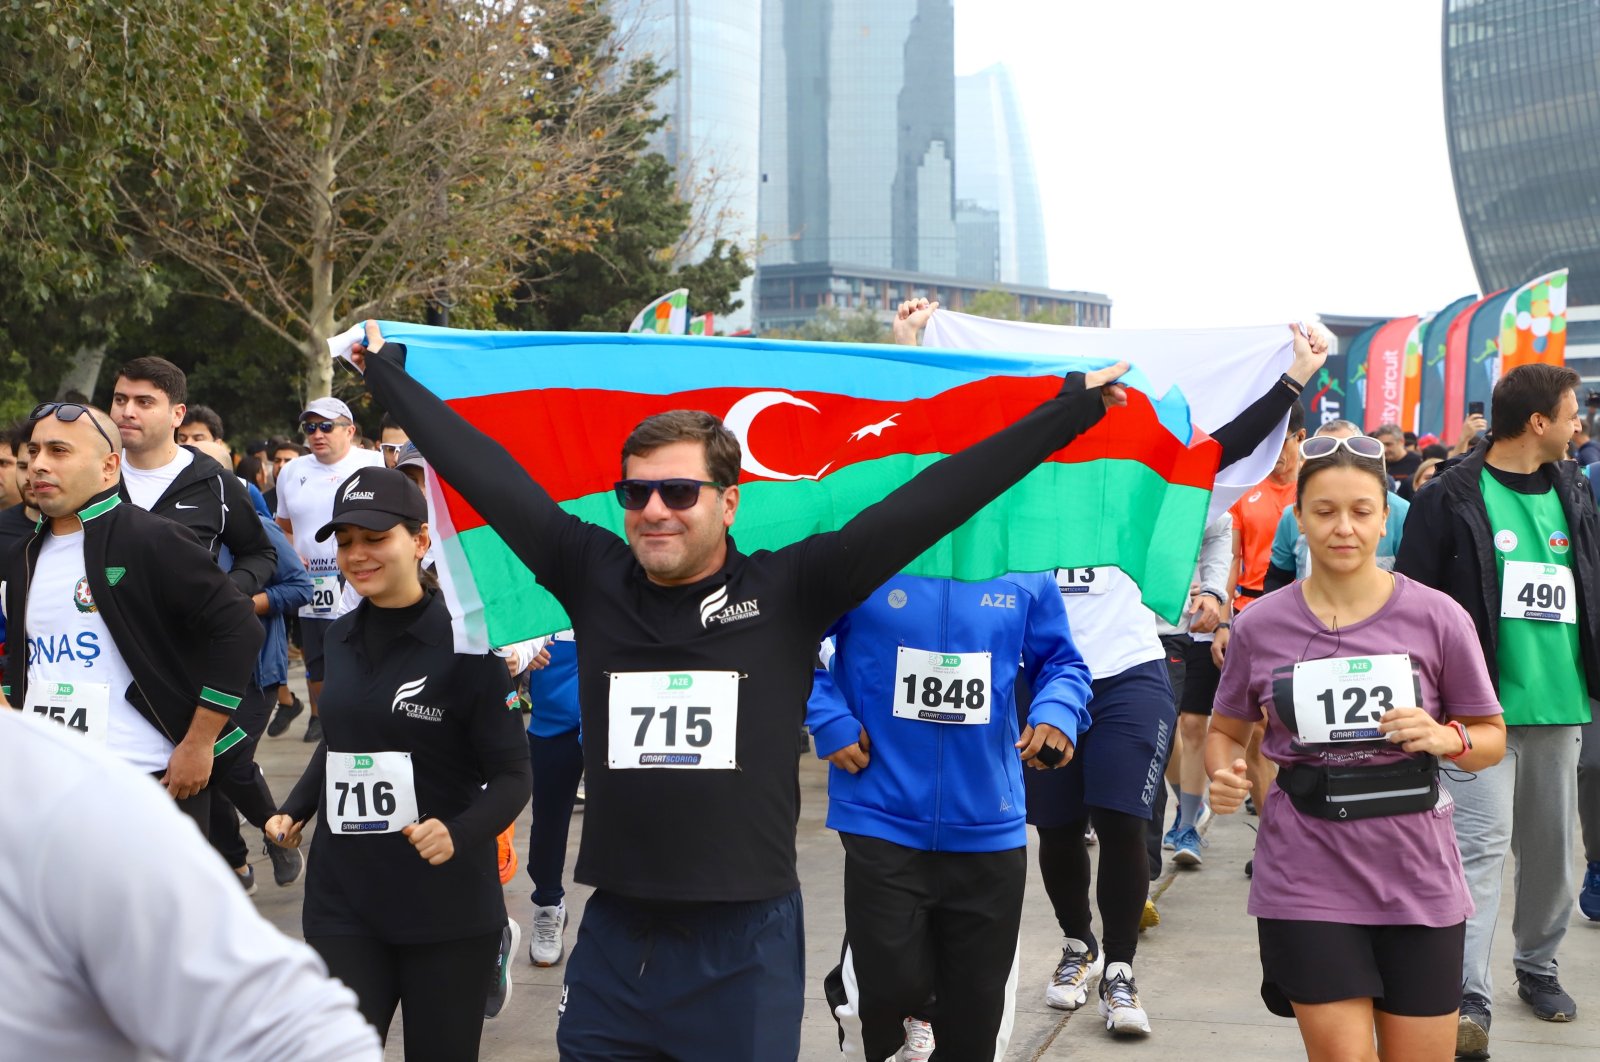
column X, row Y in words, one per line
column 1424, row 372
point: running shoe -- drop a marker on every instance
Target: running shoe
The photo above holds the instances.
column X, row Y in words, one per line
column 1119, row 1002
column 1149, row 918
column 1089, row 836
column 1205, row 817
column 919, row 1042
column 284, row 715
column 1069, row 988
column 1169, row 840
column 505, row 845
column 1250, row 805
column 547, row 945
column 580, row 797
column 500, row 991
column 314, row 730
column 1472, row 1027
column 287, row 864
column 1545, row 995
column 1187, row 851
column 1250, row 868
column 1589, row 898
column 247, row 879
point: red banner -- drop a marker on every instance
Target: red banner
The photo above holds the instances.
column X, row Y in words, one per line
column 1386, row 373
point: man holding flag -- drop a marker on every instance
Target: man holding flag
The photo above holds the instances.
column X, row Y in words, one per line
column 692, row 945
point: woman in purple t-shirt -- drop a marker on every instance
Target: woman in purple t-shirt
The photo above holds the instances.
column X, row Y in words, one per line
column 1364, row 678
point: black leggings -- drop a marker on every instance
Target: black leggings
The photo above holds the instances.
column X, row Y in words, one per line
column 238, row 786
column 441, row 986
column 1123, row 885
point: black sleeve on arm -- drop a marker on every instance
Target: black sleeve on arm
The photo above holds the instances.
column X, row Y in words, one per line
column 501, row 746
column 198, row 598
column 306, row 796
column 1424, row 552
column 545, row 537
column 255, row 559
column 1241, row 435
column 1277, row 578
column 849, row 564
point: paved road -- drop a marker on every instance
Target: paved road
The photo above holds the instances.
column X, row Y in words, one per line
column 1198, row 972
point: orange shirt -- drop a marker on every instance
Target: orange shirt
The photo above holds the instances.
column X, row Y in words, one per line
column 1255, row 522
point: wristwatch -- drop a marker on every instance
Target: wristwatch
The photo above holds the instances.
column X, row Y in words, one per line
column 1466, row 739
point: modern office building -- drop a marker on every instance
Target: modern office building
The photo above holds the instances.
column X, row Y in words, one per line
column 994, row 170
column 712, row 48
column 860, row 175
column 1522, row 115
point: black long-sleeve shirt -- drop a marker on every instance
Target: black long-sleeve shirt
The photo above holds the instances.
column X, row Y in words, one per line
column 710, row 835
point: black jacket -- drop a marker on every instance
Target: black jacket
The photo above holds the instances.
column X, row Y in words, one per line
column 1449, row 546
column 187, row 634
column 203, row 498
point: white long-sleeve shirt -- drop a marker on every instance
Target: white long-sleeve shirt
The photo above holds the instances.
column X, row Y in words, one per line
column 123, row 935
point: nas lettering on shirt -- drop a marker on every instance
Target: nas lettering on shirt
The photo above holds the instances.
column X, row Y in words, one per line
column 69, row 645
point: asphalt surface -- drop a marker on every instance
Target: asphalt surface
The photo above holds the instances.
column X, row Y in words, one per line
column 1198, row 972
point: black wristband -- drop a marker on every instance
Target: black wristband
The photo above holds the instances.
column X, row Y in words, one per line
column 1294, row 385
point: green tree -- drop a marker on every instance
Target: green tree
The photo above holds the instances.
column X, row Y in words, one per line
column 833, row 325
column 996, row 304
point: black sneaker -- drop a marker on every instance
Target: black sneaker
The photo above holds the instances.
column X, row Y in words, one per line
column 1545, row 995
column 500, row 987
column 1472, row 1027
column 247, row 879
column 287, row 864
column 314, row 730
column 1250, row 868
column 284, row 716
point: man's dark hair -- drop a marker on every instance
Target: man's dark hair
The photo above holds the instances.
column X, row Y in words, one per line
column 723, row 455
column 249, row 468
column 207, row 416
column 16, row 435
column 1439, row 450
column 387, row 423
column 160, row 372
column 1297, row 418
column 278, row 442
column 1526, row 390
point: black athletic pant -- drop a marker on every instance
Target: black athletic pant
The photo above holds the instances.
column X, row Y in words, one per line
column 237, row 783
column 441, row 987
column 557, row 767
column 197, row 807
column 1123, row 884
column 932, row 924
column 1175, row 646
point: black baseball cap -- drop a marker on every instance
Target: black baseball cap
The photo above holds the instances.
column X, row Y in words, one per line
column 375, row 498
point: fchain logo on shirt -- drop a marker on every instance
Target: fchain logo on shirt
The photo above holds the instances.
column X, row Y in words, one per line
column 351, row 494
column 411, row 708
column 715, row 608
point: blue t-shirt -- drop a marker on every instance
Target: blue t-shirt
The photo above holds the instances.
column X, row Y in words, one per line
column 1289, row 545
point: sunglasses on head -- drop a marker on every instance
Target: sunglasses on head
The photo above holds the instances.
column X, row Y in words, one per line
column 634, row 494
column 311, row 427
column 66, row 413
column 1325, row 445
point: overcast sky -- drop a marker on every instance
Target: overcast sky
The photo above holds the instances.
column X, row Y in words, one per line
column 1235, row 162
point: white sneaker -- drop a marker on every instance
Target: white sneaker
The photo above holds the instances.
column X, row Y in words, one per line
column 1119, row 1002
column 1074, row 976
column 919, row 1042
column 546, row 946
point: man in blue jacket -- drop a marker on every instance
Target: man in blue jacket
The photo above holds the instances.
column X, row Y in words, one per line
column 917, row 714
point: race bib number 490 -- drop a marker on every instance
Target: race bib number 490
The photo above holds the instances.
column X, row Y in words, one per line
column 1343, row 698
column 942, row 687
column 370, row 792
column 1534, row 591
column 678, row 719
column 82, row 707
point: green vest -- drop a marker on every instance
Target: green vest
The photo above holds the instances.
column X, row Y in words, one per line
column 1541, row 667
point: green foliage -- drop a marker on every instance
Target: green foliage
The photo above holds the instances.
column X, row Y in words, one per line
column 996, row 304
column 833, row 325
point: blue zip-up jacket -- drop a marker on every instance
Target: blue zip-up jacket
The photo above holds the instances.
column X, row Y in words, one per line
column 941, row 786
column 553, row 690
column 289, row 589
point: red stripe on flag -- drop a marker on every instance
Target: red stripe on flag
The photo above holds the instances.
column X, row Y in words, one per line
column 570, row 441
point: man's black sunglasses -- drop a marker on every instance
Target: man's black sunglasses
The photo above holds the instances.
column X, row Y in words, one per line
column 66, row 413
column 311, row 427
column 635, row 494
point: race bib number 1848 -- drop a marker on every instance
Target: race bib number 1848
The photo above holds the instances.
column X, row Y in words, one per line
column 942, row 687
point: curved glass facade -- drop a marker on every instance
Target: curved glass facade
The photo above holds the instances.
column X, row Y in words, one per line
column 1522, row 115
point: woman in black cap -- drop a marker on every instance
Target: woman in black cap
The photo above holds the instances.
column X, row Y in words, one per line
column 422, row 762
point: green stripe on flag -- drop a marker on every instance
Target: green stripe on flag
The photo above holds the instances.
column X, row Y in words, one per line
column 1096, row 513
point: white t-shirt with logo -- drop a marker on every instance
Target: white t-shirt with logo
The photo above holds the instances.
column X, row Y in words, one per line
column 1112, row 629
column 68, row 642
column 146, row 485
column 305, row 497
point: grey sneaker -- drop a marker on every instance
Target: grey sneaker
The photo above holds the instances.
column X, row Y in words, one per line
column 287, row 864
column 1075, row 975
column 1472, row 1028
column 247, row 879
column 546, row 946
column 1545, row 995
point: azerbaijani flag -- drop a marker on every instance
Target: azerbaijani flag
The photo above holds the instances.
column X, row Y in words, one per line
column 826, row 430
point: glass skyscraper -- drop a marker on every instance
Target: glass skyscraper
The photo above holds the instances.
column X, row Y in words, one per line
column 994, row 171
column 1522, row 114
column 713, row 107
